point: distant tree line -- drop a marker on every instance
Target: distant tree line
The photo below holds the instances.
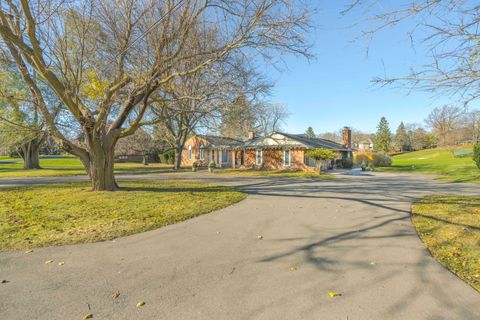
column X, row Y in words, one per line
column 444, row 126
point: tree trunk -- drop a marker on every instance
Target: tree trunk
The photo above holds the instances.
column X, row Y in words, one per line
column 30, row 153
column 145, row 160
column 99, row 163
column 100, row 166
column 178, row 155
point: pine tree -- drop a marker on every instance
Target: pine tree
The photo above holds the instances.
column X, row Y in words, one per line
column 310, row 133
column 383, row 137
column 402, row 141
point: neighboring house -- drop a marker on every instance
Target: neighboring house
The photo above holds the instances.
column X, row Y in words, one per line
column 134, row 158
column 276, row 150
column 365, row 145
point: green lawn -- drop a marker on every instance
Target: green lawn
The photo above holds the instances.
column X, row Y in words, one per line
column 275, row 173
column 71, row 166
column 437, row 161
column 449, row 226
column 70, row 213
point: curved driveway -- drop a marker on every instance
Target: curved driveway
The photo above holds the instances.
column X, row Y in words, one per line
column 351, row 235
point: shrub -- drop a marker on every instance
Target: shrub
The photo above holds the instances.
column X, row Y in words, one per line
column 376, row 159
column 476, row 154
column 211, row 165
column 320, row 155
column 168, row 157
column 347, row 163
column 195, row 165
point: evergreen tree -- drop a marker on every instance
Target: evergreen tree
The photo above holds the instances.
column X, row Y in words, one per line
column 310, row 133
column 402, row 141
column 383, row 137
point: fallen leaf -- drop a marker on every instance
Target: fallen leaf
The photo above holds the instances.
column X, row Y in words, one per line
column 294, row 268
column 4, row 281
column 61, row 263
column 29, row 251
column 88, row 316
column 334, row 294
column 48, row 261
column 141, row 303
column 115, row 295
column 259, row 237
column 373, row 263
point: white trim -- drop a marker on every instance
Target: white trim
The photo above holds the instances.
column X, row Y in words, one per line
column 189, row 152
column 257, row 152
column 202, row 152
column 289, row 157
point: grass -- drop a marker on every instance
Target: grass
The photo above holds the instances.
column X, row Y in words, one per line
column 48, row 215
column 449, row 226
column 67, row 166
column 438, row 161
column 275, row 173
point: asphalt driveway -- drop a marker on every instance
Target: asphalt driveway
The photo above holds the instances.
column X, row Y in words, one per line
column 351, row 235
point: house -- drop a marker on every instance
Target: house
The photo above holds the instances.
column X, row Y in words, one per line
column 276, row 150
column 204, row 149
column 365, row 145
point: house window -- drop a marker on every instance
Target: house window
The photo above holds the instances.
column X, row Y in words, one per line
column 258, row 157
column 287, row 158
column 224, row 156
column 201, row 152
column 189, row 152
column 212, row 156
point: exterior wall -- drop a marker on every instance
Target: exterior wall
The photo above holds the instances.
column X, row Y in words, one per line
column 195, row 142
column 273, row 159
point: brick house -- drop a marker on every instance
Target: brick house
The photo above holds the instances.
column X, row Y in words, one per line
column 276, row 150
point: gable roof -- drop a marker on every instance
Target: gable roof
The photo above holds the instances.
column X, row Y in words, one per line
column 220, row 142
column 280, row 139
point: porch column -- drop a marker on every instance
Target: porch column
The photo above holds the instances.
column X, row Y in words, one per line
column 233, row 159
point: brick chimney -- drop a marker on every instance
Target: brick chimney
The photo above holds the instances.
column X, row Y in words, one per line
column 251, row 135
column 347, row 137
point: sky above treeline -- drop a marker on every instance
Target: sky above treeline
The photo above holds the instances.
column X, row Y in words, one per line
column 335, row 89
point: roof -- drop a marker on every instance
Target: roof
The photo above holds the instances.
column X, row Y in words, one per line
column 368, row 141
column 280, row 139
column 221, row 142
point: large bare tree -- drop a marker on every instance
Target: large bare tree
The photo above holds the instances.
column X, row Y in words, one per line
column 448, row 30
column 445, row 121
column 105, row 60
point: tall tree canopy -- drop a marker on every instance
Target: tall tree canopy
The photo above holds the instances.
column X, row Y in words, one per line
column 310, row 133
column 106, row 60
column 383, row 137
column 402, row 141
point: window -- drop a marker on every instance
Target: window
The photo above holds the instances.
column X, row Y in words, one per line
column 259, row 157
column 189, row 152
column 224, row 156
column 287, row 157
column 212, row 156
column 201, row 152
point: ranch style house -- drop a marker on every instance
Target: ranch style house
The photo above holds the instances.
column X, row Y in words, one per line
column 276, row 150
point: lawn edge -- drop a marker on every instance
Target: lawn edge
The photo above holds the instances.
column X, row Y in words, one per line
column 427, row 248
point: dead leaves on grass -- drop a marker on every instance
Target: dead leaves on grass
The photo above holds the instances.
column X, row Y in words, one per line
column 333, row 294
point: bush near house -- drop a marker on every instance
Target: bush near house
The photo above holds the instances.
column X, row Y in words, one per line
column 320, row 155
column 375, row 159
column 476, row 154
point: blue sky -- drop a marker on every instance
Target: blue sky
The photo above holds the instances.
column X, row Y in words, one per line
column 335, row 88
